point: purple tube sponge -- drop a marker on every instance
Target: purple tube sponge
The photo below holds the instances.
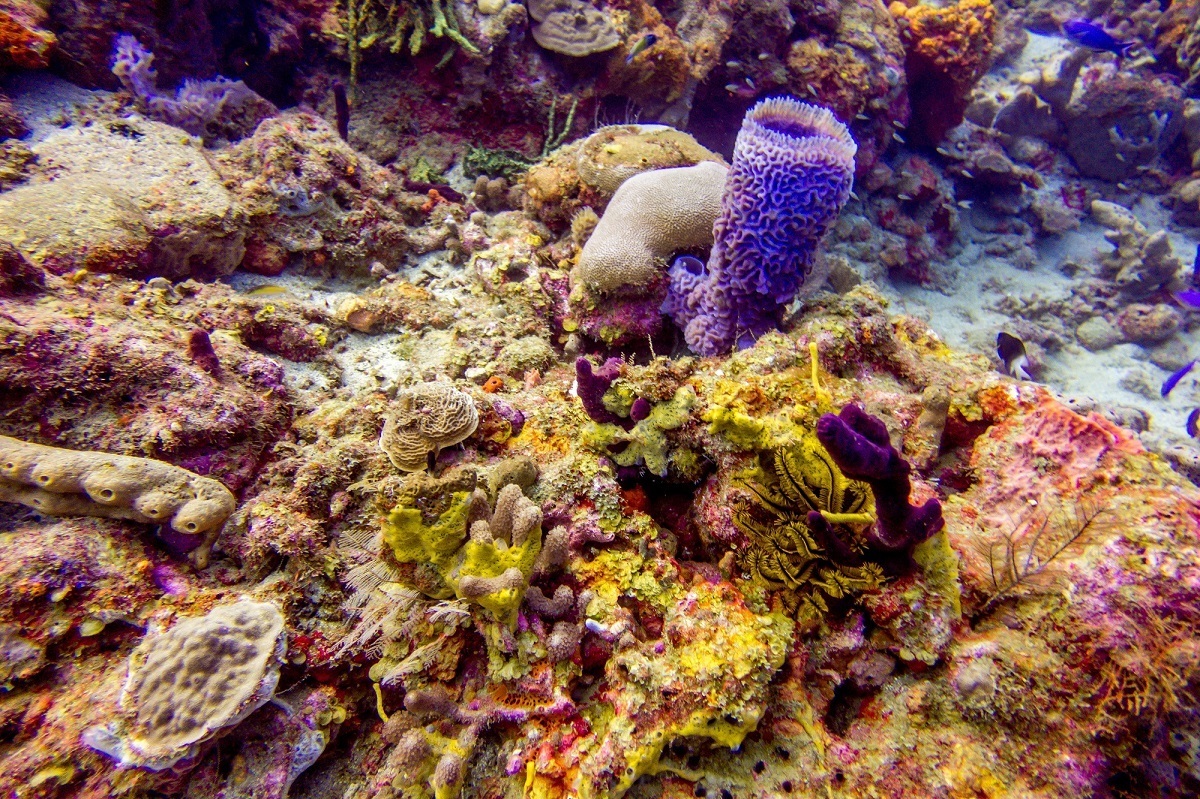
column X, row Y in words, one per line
column 590, row 385
column 859, row 445
column 793, row 165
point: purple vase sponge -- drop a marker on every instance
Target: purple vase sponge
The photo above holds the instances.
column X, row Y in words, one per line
column 793, row 165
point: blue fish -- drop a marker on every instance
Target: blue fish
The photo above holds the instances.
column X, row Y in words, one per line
column 1193, row 424
column 1091, row 35
column 1188, row 298
column 1196, row 269
column 1174, row 379
column 646, row 43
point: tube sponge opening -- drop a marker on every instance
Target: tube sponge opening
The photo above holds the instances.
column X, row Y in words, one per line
column 793, row 166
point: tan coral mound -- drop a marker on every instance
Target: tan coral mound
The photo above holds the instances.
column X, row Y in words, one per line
column 185, row 684
column 64, row 482
column 427, row 418
column 652, row 216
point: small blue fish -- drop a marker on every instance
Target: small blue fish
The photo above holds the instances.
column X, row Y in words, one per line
column 1196, row 269
column 1091, row 35
column 647, row 41
column 1188, row 298
column 1193, row 424
column 1174, row 379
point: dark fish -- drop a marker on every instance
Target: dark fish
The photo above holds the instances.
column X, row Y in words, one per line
column 1011, row 351
column 1174, row 379
column 1193, row 424
column 645, row 43
column 1189, row 298
column 1091, row 35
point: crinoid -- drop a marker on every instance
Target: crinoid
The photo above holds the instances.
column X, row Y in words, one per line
column 813, row 561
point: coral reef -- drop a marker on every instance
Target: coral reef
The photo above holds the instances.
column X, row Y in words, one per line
column 521, row 541
column 949, row 48
column 426, row 418
column 788, row 156
column 187, row 683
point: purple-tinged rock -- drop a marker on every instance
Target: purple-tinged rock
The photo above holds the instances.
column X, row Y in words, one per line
column 591, row 383
column 510, row 414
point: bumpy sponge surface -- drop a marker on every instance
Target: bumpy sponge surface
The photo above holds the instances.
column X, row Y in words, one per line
column 205, row 673
column 793, row 166
column 65, row 482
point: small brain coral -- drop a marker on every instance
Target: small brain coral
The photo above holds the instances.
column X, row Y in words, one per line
column 427, row 418
column 184, row 685
column 64, row 482
column 652, row 216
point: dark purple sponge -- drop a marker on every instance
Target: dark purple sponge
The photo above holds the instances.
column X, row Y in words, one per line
column 859, row 445
column 793, row 166
column 591, row 383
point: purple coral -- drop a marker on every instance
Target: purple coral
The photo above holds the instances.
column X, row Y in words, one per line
column 217, row 108
column 859, row 445
column 793, row 166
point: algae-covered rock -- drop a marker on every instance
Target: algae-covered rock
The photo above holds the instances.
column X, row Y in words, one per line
column 131, row 196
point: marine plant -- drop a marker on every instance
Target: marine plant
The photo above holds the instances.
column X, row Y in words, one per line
column 1026, row 554
column 397, row 26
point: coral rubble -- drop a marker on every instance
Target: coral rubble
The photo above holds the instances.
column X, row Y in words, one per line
column 521, row 446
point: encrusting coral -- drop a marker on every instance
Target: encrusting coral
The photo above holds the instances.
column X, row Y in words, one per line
column 63, row 482
column 425, row 419
column 186, row 684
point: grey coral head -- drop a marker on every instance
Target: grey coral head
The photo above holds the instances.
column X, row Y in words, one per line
column 576, row 29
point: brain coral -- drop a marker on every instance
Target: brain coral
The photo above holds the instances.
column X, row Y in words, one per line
column 793, row 165
column 427, row 418
column 651, row 217
column 205, row 673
